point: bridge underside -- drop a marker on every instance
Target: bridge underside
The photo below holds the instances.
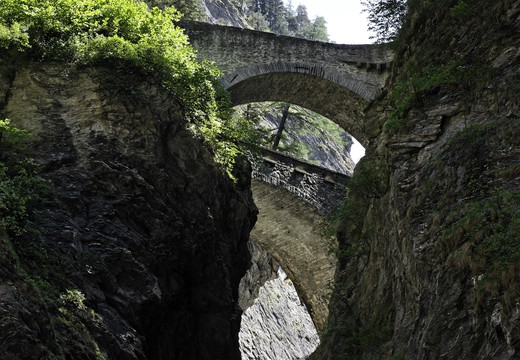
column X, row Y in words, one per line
column 289, row 229
column 324, row 97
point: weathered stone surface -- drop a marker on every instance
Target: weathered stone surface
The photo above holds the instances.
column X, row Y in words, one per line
column 323, row 189
column 414, row 283
column 277, row 326
column 243, row 53
column 291, row 231
column 140, row 221
column 263, row 268
column 224, row 12
column 319, row 95
column 333, row 80
column 319, row 146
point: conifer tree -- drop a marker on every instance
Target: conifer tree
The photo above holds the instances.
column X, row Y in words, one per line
column 302, row 22
column 191, row 9
column 385, row 17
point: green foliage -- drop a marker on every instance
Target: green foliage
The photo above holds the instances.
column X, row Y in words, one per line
column 10, row 137
column 24, row 256
column 230, row 139
column 509, row 173
column 74, row 297
column 462, row 10
column 125, row 35
column 71, row 326
column 13, row 34
column 370, row 181
column 257, row 21
column 367, row 336
column 301, row 123
column 316, row 30
column 470, row 143
column 190, row 9
column 351, row 251
column 385, row 18
column 20, row 186
column 273, row 15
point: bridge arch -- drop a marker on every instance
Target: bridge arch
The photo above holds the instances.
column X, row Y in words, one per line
column 366, row 90
column 293, row 198
column 289, row 229
column 335, row 102
column 334, row 80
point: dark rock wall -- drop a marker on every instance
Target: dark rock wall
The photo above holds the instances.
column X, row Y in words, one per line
column 140, row 221
column 263, row 268
column 429, row 268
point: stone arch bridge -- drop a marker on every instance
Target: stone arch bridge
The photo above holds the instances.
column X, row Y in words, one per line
column 334, row 80
column 293, row 198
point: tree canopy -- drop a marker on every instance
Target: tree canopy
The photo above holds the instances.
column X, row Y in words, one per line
column 385, row 18
column 273, row 15
column 190, row 9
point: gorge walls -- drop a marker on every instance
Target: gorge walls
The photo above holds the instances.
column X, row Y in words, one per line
column 430, row 239
column 141, row 242
column 137, row 249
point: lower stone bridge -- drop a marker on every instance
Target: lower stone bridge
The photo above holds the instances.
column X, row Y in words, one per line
column 322, row 188
column 293, row 198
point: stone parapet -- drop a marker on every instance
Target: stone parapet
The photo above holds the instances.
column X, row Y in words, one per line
column 320, row 187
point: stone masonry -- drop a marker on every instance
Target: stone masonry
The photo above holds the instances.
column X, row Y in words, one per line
column 334, row 80
column 292, row 197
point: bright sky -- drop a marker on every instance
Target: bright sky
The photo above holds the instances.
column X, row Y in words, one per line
column 346, row 23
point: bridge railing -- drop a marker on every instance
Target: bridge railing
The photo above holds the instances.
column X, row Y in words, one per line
column 324, row 189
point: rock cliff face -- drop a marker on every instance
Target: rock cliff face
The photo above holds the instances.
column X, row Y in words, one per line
column 277, row 326
column 263, row 268
column 324, row 149
column 430, row 242
column 225, row 12
column 142, row 243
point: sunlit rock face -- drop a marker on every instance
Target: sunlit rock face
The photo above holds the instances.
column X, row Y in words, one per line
column 277, row 325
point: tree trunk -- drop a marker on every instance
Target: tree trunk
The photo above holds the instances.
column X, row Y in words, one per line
column 281, row 127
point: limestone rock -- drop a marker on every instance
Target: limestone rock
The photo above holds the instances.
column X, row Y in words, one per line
column 263, row 268
column 224, row 12
column 277, row 326
column 324, row 150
